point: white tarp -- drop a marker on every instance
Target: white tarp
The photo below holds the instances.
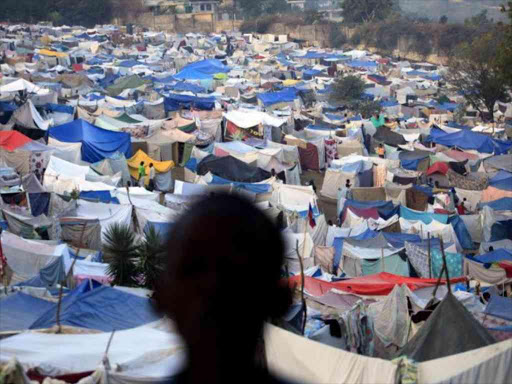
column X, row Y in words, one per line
column 27, row 257
column 107, row 214
column 71, row 152
column 245, row 118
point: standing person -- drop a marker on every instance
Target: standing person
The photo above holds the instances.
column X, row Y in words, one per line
column 461, row 209
column 142, row 173
column 195, row 290
column 381, row 151
column 151, row 184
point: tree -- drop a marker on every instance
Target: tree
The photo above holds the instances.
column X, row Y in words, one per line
column 151, row 258
column 364, row 11
column 347, row 90
column 476, row 73
column 367, row 108
column 120, row 250
column 443, row 19
column 505, row 49
column 479, row 20
column 252, row 8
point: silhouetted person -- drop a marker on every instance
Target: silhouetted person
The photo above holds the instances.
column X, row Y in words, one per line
column 222, row 282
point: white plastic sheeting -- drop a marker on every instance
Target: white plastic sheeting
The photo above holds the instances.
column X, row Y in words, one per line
column 107, row 214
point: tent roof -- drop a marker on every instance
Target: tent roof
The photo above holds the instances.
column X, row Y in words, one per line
column 10, row 140
column 97, row 143
column 160, row 166
column 467, row 139
column 232, row 169
column 449, row 330
column 20, row 85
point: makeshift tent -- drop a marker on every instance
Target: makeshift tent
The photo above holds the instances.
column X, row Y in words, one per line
column 232, row 169
column 467, row 139
column 201, row 70
column 163, row 177
column 97, row 143
column 103, row 308
column 454, row 325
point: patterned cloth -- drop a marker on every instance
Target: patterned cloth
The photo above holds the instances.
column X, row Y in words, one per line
column 330, row 150
column 453, row 261
column 407, row 371
column 379, row 175
column 418, row 258
column 471, row 182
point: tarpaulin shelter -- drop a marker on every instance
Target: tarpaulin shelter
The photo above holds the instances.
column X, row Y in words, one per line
column 97, row 143
column 163, row 179
column 387, row 136
column 175, row 102
column 19, row 311
column 102, row 308
column 466, row 139
column 230, row 168
column 286, row 96
column 452, row 324
column 129, row 82
column 374, row 285
column 502, row 180
column 201, row 70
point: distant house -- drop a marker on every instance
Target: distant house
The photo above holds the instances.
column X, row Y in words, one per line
column 204, row 5
column 297, row 3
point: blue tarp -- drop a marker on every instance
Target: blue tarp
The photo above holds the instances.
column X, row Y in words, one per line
column 183, row 86
column 175, row 102
column 102, row 196
column 411, row 165
column 388, row 103
column 461, row 232
column 18, row 311
column 338, row 245
column 425, row 217
column 503, row 204
column 129, row 63
column 453, row 262
column 251, row 187
column 53, row 274
column 426, row 190
column 397, row 240
column 59, row 108
column 163, row 228
column 7, row 106
column 502, row 180
column 204, row 69
column 495, row 256
column 97, row 143
column 500, row 307
column 361, row 64
column 285, row 96
column 103, row 308
column 39, row 203
column 466, row 139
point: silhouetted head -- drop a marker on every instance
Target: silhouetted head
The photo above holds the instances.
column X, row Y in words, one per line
column 150, row 165
column 223, row 276
column 141, row 163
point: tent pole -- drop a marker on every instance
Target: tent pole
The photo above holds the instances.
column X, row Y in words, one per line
column 382, row 259
column 70, row 272
column 445, row 266
column 429, row 260
column 303, row 300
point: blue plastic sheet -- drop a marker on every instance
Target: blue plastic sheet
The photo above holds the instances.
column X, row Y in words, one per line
column 102, row 196
column 285, row 96
column 500, row 307
column 175, row 102
column 386, row 209
column 18, row 311
column 59, row 108
column 204, row 69
column 103, row 308
column 425, row 217
column 502, row 180
column 411, row 165
column 467, row 139
column 453, row 262
column 461, row 232
column 53, row 274
column 39, row 203
column 251, row 187
column 97, row 143
column 503, row 204
column 495, row 256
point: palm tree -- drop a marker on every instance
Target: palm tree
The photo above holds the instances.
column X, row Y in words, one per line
column 151, row 261
column 120, row 251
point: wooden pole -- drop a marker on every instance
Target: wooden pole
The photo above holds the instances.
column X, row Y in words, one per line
column 303, row 299
column 429, row 259
column 382, row 259
column 445, row 266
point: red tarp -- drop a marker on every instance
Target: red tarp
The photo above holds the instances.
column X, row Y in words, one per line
column 78, row 67
column 438, row 167
column 460, row 156
column 10, row 140
column 380, row 284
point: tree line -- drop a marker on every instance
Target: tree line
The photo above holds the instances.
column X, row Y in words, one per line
column 86, row 13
